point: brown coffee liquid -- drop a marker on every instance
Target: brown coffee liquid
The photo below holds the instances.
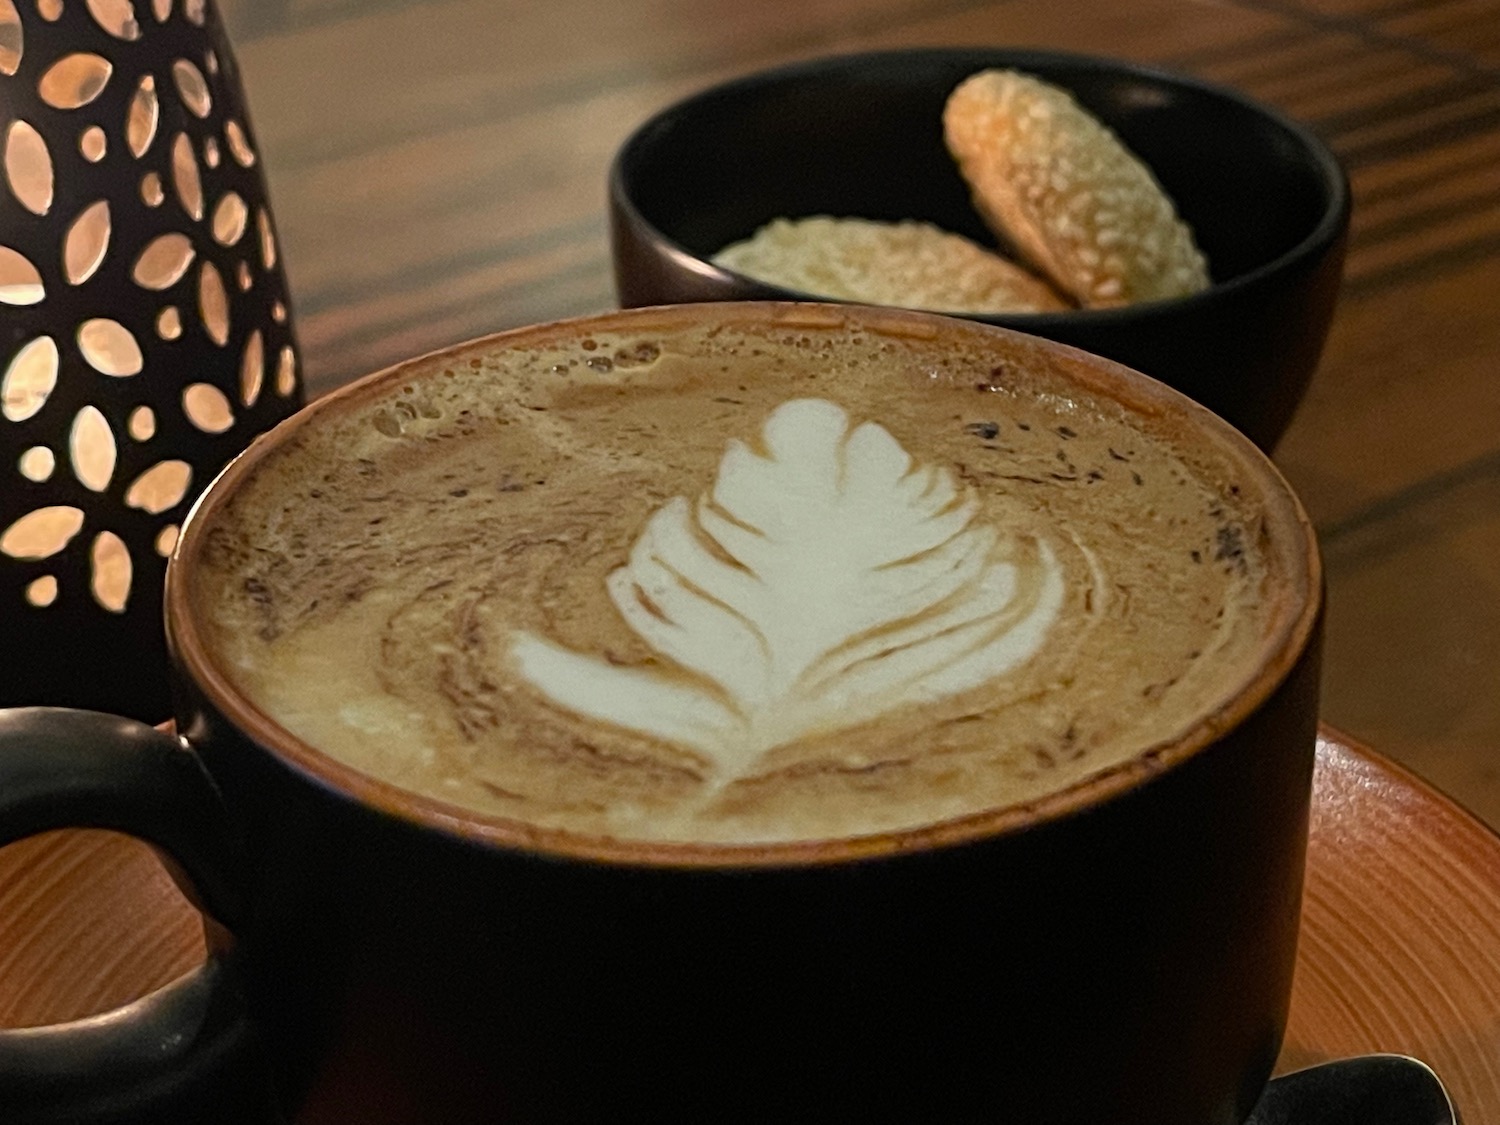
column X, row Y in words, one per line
column 742, row 582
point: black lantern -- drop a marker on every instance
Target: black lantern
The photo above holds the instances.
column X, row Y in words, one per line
column 145, row 329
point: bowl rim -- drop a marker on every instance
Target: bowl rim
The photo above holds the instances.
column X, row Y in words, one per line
column 1329, row 228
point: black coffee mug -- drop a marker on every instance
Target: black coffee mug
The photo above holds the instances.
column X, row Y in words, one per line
column 1119, row 951
column 189, row 1051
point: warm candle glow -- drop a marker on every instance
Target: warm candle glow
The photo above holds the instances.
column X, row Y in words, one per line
column 10, row 38
column 91, row 447
column 145, row 331
column 38, row 463
column 85, row 243
column 116, row 17
column 252, row 369
column 144, row 115
column 185, row 176
column 42, row 533
column 29, row 380
column 208, row 408
column 28, row 167
column 230, row 219
column 160, row 487
column 110, row 348
column 164, row 260
column 111, row 572
column 20, row 283
column 75, row 80
column 213, row 303
column 141, row 425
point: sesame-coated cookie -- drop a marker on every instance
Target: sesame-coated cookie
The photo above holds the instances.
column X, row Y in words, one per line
column 1058, row 186
column 911, row 264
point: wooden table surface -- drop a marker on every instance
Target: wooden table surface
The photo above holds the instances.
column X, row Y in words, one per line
column 437, row 170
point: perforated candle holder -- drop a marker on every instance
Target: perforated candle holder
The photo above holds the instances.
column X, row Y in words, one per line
column 145, row 329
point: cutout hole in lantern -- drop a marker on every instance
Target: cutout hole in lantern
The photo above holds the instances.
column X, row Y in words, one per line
column 116, row 17
column 166, row 540
column 239, row 144
column 75, row 80
column 286, row 372
column 151, row 190
column 42, row 592
column 193, row 88
column 143, row 117
column 93, row 144
column 86, row 242
column 252, row 369
column 20, row 281
column 29, row 379
column 42, row 533
column 267, row 239
column 11, row 38
column 109, row 561
column 38, row 464
column 211, row 152
column 169, row 323
column 162, row 9
column 185, row 176
column 213, row 304
column 230, row 218
column 208, row 408
column 141, row 425
column 160, row 487
column 164, row 260
column 28, row 167
column 110, row 348
column 49, row 10
column 91, row 448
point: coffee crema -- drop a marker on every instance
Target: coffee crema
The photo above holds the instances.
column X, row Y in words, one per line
column 720, row 579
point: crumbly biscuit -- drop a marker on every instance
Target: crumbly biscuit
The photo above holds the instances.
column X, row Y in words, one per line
column 909, row 264
column 1058, row 186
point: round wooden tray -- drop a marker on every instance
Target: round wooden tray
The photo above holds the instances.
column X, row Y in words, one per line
column 1400, row 945
column 1400, row 942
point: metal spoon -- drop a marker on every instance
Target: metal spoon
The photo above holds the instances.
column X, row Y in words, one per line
column 1368, row 1090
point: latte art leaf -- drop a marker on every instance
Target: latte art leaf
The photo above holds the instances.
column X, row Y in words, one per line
column 825, row 580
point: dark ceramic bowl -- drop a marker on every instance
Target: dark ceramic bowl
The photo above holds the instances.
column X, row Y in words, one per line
column 861, row 135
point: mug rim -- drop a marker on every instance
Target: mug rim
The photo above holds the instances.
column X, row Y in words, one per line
column 1281, row 650
column 1325, row 232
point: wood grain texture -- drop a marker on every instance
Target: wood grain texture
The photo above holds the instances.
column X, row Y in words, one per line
column 89, row 920
column 1400, row 943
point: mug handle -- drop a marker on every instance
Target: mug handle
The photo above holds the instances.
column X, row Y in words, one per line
column 189, row 1050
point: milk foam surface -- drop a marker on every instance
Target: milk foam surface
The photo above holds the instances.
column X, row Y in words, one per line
column 738, row 585
column 822, row 583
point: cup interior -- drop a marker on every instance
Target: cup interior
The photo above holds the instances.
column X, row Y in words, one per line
column 1156, row 406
